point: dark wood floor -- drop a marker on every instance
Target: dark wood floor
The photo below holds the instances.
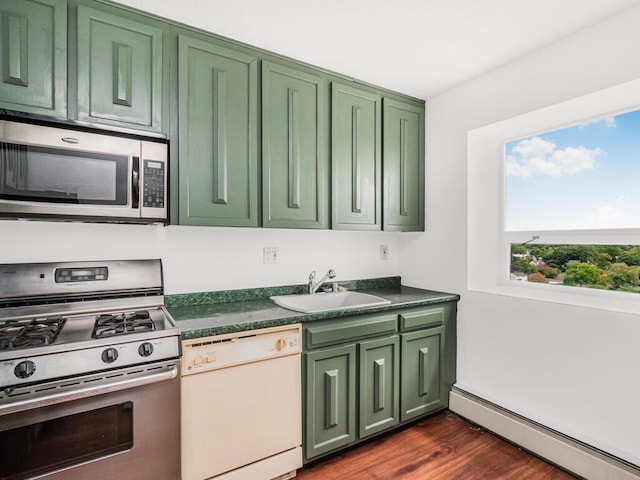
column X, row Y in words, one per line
column 441, row 447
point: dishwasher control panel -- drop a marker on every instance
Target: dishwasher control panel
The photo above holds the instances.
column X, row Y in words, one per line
column 228, row 350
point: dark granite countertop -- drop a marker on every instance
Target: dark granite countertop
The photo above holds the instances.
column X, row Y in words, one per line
column 214, row 313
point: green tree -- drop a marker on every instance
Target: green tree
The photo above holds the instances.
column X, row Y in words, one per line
column 614, row 251
column 541, row 251
column 602, row 259
column 630, row 256
column 522, row 265
column 563, row 254
column 518, row 249
column 621, row 275
column 581, row 274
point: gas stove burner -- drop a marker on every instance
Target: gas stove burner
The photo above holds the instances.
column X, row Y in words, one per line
column 15, row 334
column 110, row 324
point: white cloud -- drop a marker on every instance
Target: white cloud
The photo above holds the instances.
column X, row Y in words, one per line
column 541, row 156
column 573, row 160
column 609, row 122
column 514, row 169
column 534, row 147
column 543, row 166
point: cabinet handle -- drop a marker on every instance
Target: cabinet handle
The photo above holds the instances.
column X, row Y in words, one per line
column 331, row 398
column 403, row 168
column 220, row 152
column 122, row 74
column 15, row 49
column 294, row 147
column 356, row 206
column 423, row 362
column 378, row 384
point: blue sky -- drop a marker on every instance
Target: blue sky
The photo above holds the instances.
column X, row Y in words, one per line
column 581, row 177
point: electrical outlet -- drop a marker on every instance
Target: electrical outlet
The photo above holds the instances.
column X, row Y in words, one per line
column 384, row 252
column 270, row 255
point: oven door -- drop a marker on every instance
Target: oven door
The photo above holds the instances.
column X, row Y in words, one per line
column 118, row 425
column 53, row 171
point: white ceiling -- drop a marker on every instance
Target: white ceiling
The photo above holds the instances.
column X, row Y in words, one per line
column 418, row 47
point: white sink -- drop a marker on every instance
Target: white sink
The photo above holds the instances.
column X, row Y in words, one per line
column 327, row 302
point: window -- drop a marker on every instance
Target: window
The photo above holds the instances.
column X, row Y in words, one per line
column 577, row 178
column 562, row 178
column 583, row 177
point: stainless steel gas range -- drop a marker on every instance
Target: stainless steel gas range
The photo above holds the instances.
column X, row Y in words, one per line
column 89, row 372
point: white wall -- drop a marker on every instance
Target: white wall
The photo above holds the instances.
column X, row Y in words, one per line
column 570, row 368
column 206, row 258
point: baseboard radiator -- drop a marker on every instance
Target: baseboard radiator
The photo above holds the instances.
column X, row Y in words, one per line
column 570, row 454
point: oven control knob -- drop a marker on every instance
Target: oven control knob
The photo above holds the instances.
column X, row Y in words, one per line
column 25, row 369
column 109, row 355
column 145, row 349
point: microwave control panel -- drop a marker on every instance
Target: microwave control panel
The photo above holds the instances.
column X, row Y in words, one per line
column 153, row 184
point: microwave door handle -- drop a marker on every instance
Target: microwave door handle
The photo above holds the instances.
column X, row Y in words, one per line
column 135, row 182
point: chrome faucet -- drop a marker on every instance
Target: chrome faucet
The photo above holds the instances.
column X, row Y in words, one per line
column 314, row 286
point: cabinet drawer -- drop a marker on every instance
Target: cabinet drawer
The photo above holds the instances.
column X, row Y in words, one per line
column 349, row 330
column 426, row 318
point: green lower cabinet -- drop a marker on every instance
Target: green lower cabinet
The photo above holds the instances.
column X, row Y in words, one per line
column 421, row 389
column 330, row 400
column 370, row 373
column 218, row 114
column 378, row 385
column 33, row 51
column 119, row 70
column 294, row 153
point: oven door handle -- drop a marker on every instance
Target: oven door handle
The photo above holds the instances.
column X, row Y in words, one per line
column 87, row 391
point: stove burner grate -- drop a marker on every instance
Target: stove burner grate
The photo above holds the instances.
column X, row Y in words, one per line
column 16, row 334
column 111, row 324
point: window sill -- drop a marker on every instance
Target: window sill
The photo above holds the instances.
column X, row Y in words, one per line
column 621, row 302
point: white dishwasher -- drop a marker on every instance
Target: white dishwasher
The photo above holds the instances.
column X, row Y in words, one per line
column 241, row 405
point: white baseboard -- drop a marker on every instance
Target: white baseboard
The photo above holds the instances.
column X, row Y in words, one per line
column 567, row 453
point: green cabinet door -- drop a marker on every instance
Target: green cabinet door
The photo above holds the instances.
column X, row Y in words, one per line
column 218, row 114
column 330, row 400
column 403, row 160
column 421, row 389
column 355, row 158
column 378, row 384
column 119, row 70
column 33, row 46
column 294, row 138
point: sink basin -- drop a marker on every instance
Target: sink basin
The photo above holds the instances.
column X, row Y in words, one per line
column 327, row 302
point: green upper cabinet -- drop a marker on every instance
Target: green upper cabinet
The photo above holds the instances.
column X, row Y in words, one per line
column 218, row 115
column 119, row 70
column 294, row 145
column 403, row 160
column 33, row 46
column 355, row 158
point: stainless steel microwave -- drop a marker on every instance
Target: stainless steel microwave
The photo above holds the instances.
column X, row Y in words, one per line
column 64, row 172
